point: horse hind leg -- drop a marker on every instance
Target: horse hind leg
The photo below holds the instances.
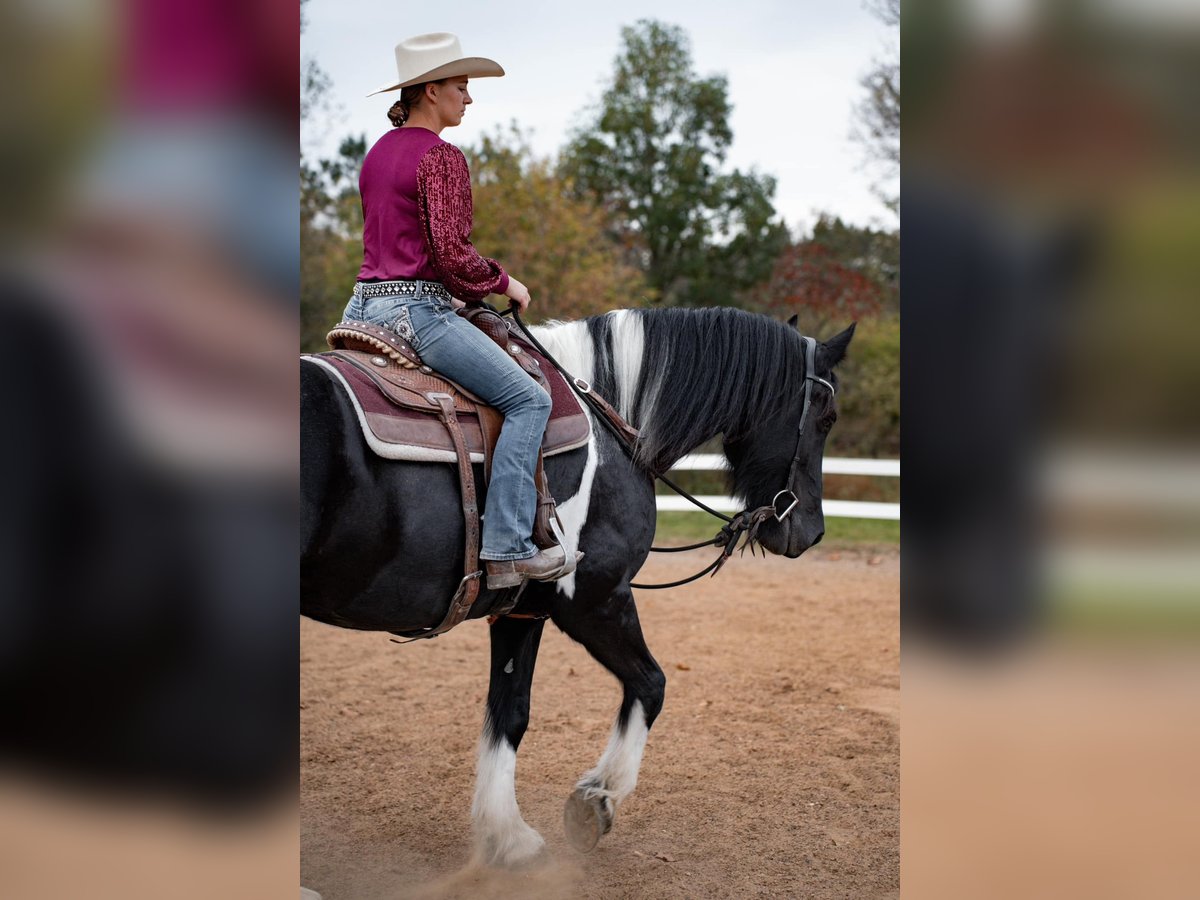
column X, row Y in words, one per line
column 502, row 837
column 617, row 643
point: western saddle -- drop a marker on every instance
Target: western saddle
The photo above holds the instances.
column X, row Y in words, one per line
column 396, row 397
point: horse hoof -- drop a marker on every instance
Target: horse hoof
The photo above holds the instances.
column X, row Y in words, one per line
column 585, row 820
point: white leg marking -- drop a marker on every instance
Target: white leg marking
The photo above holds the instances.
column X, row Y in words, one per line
column 616, row 774
column 501, row 836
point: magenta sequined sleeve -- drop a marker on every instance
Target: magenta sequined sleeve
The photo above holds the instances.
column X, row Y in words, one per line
column 444, row 201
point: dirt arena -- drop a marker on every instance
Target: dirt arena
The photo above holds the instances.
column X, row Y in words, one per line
column 774, row 769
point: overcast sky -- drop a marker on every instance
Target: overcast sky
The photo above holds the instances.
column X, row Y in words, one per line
column 793, row 68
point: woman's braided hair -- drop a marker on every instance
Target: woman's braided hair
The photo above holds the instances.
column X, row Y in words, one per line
column 409, row 97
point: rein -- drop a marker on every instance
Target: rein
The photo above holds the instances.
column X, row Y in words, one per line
column 746, row 522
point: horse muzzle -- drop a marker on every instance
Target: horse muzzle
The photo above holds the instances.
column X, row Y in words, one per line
column 796, row 532
column 797, row 547
column 791, row 536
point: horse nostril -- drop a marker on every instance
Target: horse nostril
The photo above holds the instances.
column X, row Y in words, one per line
column 818, row 538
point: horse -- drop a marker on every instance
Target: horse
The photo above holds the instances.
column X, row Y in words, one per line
column 382, row 540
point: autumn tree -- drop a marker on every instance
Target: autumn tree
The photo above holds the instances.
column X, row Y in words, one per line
column 652, row 155
column 559, row 245
column 330, row 239
column 837, row 274
column 869, row 408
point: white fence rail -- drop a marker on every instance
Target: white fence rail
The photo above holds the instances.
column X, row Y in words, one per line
column 849, row 509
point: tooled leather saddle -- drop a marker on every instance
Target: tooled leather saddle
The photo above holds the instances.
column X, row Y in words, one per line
column 408, row 411
column 389, row 383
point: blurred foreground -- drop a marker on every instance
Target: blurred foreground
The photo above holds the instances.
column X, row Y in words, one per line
column 1063, row 771
column 148, row 290
column 1051, row 602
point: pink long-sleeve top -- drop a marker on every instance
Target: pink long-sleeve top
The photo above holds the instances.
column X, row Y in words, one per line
column 416, row 200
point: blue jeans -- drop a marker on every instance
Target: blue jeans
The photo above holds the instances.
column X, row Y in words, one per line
column 460, row 351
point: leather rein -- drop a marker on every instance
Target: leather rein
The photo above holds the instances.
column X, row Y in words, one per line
column 747, row 521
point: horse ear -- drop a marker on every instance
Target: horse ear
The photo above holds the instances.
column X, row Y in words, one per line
column 794, row 321
column 835, row 347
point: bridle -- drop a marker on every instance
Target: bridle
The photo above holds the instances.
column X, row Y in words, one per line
column 746, row 522
column 810, row 375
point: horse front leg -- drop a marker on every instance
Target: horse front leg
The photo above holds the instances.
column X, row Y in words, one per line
column 612, row 634
column 502, row 837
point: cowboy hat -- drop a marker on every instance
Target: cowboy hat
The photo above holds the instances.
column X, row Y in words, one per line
column 432, row 57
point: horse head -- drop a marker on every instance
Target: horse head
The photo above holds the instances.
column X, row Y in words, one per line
column 778, row 462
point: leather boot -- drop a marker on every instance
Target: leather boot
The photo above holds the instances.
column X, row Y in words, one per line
column 545, row 565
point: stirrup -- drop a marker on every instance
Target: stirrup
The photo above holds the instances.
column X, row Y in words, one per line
column 570, row 556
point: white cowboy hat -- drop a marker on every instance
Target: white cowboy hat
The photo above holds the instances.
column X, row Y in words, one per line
column 432, row 57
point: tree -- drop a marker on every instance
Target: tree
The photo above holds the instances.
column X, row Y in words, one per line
column 314, row 88
column 557, row 244
column 651, row 158
column 877, row 127
column 869, row 409
column 330, row 218
column 316, row 96
column 837, row 274
column 330, row 239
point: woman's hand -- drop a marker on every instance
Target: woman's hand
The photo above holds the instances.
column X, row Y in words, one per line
column 518, row 293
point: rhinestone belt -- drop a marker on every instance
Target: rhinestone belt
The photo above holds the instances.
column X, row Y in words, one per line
column 370, row 289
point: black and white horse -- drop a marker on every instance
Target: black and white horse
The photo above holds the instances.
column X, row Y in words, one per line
column 382, row 540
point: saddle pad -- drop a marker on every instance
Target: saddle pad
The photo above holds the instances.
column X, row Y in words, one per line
column 416, row 434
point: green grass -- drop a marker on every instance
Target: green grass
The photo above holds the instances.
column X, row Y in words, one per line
column 689, row 527
column 1124, row 611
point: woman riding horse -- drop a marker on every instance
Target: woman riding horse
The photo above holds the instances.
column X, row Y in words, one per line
column 418, row 256
column 680, row 376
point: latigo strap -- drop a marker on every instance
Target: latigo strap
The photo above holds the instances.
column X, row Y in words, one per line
column 468, row 588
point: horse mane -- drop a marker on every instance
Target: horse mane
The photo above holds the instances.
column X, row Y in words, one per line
column 682, row 376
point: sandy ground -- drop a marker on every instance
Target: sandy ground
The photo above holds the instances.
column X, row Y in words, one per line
column 772, row 771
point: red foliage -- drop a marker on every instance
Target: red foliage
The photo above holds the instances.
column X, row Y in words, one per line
column 808, row 279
